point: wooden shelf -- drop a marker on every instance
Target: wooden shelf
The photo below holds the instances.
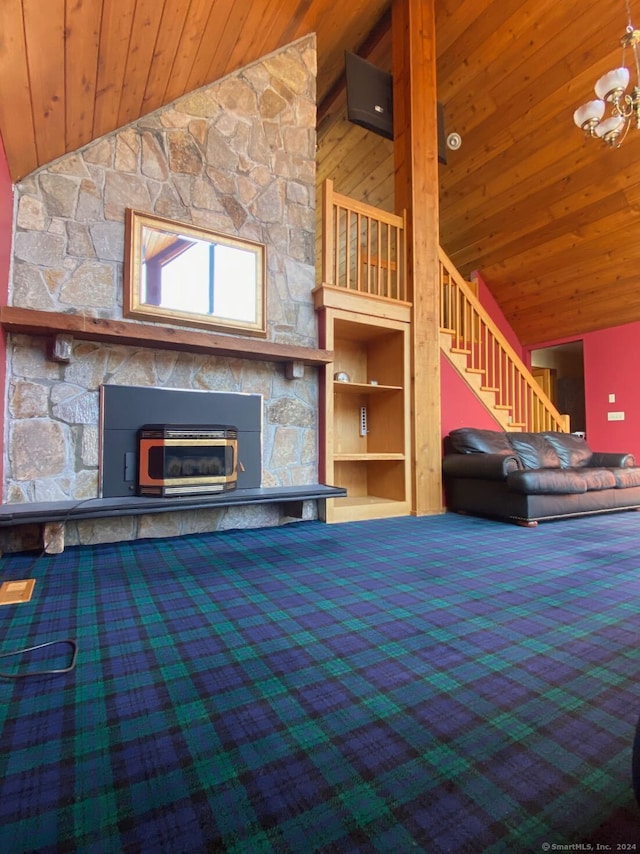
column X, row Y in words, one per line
column 363, row 388
column 50, row 323
column 368, row 457
column 367, row 507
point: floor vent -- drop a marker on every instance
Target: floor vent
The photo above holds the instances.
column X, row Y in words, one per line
column 14, row 592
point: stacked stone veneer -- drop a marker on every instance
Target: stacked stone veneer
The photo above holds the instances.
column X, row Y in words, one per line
column 238, row 157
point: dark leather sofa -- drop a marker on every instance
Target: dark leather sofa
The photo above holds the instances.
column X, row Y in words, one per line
column 529, row 477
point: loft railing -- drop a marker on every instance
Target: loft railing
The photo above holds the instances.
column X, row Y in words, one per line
column 489, row 354
column 364, row 251
column 363, row 248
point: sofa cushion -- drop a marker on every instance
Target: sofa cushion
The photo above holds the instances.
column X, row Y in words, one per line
column 596, row 478
column 572, row 450
column 550, row 481
column 546, row 481
column 626, row 477
column 534, row 450
column 472, row 440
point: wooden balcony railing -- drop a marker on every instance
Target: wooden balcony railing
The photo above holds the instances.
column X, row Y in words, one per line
column 363, row 248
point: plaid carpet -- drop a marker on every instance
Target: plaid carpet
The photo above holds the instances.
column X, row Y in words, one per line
column 443, row 684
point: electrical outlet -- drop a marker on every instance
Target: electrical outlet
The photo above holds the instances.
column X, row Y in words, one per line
column 615, row 416
column 363, row 421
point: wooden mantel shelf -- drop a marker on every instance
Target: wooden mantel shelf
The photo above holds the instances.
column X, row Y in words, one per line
column 49, row 323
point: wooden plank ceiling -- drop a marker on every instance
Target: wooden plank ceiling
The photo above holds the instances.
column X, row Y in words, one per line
column 548, row 218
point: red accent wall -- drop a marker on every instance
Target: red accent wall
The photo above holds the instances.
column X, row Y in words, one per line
column 459, row 406
column 6, row 220
column 611, row 358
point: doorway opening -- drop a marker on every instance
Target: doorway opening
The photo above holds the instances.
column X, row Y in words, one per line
column 559, row 370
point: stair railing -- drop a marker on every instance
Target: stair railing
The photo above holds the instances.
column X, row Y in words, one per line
column 488, row 353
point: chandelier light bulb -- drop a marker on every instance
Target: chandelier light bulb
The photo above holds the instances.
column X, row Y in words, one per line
column 591, row 112
column 610, row 128
column 615, row 81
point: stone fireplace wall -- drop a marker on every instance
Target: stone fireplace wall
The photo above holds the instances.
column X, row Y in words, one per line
column 238, row 157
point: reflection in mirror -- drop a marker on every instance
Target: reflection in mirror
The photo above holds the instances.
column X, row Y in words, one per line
column 177, row 273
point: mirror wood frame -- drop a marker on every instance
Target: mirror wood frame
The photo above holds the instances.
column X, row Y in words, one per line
column 135, row 307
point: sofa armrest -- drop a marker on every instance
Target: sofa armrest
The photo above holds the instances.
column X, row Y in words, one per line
column 605, row 460
column 480, row 466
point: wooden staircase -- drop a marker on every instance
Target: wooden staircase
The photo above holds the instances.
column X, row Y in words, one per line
column 474, row 378
column 482, row 356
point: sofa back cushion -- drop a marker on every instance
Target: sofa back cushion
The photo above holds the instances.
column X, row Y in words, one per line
column 534, row 450
column 572, row 450
column 472, row 440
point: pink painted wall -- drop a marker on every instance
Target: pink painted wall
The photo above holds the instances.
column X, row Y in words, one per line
column 459, row 406
column 611, row 358
column 6, row 219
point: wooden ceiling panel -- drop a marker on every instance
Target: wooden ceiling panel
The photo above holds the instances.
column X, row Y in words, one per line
column 586, row 308
column 548, row 218
column 15, row 93
column 46, row 69
column 197, row 53
column 144, row 32
column 115, row 36
column 173, row 60
column 496, row 37
column 82, row 38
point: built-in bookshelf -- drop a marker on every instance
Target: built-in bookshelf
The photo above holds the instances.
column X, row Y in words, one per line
column 365, row 414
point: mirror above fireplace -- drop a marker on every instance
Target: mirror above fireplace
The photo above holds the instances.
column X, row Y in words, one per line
column 180, row 274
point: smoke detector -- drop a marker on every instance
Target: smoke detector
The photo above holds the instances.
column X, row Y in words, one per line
column 454, row 141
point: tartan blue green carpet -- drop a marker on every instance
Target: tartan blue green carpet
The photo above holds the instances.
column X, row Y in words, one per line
column 443, row 684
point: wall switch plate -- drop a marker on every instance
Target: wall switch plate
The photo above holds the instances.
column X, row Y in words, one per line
column 615, row 416
column 612, row 398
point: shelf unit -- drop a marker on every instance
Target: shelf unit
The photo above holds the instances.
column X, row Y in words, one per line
column 365, row 435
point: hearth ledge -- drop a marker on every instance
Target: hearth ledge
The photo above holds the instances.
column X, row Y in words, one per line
column 53, row 515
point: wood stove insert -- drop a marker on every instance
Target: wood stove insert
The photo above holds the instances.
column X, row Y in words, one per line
column 187, row 459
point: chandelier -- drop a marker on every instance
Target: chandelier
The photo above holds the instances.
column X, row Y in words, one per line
column 624, row 108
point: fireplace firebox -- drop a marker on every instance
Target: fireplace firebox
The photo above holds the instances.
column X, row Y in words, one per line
column 125, row 410
column 187, row 459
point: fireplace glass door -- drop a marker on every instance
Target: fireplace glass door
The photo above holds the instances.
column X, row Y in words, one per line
column 186, row 459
